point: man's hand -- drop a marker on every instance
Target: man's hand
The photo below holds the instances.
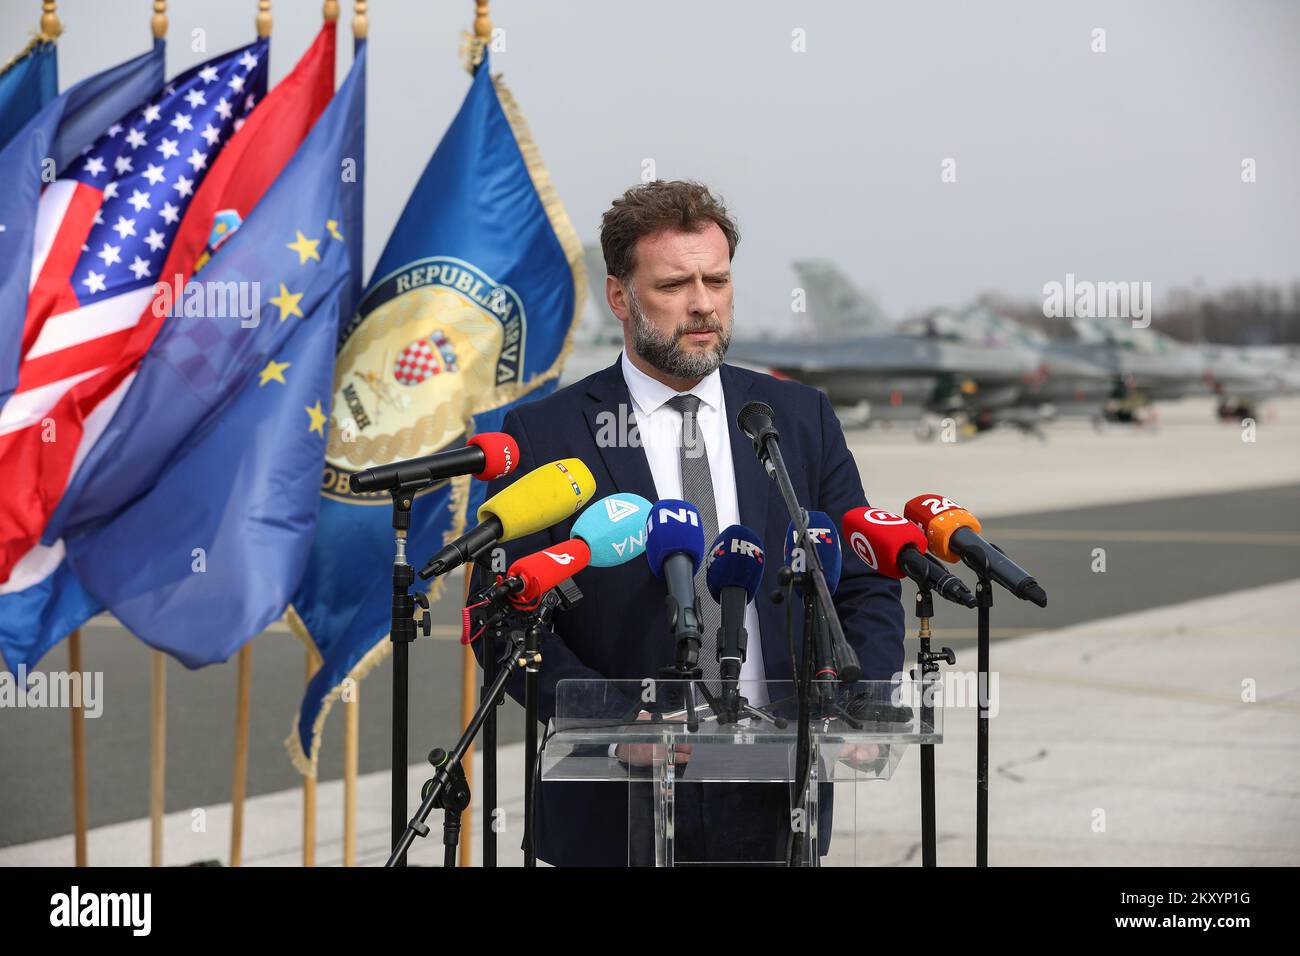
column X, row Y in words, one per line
column 862, row 757
column 646, row 755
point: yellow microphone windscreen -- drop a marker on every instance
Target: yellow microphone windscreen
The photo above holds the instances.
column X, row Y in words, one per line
column 543, row 497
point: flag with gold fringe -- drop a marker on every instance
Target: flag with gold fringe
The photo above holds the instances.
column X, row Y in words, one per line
column 468, row 312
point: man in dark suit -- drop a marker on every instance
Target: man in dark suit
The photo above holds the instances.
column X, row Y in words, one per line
column 668, row 248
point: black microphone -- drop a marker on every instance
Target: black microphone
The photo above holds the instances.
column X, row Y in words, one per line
column 486, row 456
column 947, row 585
column 757, row 421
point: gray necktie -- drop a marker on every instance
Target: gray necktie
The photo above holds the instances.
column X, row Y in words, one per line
column 697, row 488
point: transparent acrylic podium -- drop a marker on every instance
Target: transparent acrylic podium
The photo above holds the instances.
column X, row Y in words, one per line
column 728, row 795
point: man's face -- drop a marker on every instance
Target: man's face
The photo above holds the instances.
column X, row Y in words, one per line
column 678, row 315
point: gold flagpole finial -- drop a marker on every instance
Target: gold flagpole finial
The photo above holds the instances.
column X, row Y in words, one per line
column 482, row 22
column 51, row 28
column 330, row 11
column 360, row 22
column 159, row 22
column 264, row 18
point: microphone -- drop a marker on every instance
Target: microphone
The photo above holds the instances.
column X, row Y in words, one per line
column 827, row 543
column 543, row 570
column 614, row 528
column 674, row 547
column 838, row 659
column 486, row 456
column 537, row 500
column 757, row 421
column 953, row 534
column 733, row 574
column 895, row 547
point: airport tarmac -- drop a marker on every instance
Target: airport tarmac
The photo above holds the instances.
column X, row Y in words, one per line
column 1187, row 513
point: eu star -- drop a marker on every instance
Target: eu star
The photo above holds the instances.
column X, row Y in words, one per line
column 317, row 418
column 306, row 248
column 287, row 303
column 274, row 372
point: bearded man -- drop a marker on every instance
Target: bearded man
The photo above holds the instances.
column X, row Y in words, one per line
column 668, row 249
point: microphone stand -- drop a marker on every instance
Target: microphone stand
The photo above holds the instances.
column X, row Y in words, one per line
column 447, row 766
column 927, row 663
column 402, row 631
column 489, row 639
column 819, row 595
column 977, row 561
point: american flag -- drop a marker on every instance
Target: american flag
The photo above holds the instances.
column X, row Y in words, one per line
column 103, row 232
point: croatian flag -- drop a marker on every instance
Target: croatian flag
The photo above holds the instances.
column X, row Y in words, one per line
column 102, row 235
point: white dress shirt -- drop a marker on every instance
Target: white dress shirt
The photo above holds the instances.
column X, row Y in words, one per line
column 660, row 430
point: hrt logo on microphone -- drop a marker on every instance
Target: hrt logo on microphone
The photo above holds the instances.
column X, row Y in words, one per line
column 739, row 546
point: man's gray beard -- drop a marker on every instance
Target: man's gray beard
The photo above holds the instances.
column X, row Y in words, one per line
column 664, row 352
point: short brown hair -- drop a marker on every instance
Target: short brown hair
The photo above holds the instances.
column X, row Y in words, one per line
column 650, row 207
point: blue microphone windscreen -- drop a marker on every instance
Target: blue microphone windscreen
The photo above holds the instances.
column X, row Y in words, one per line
column 735, row 561
column 827, row 541
column 614, row 528
column 674, row 527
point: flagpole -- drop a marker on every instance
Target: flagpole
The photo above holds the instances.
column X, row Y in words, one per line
column 309, row 787
column 330, row 10
column 351, row 749
column 79, row 814
column 158, row 681
column 157, row 756
column 360, row 22
column 240, row 784
column 263, row 18
column 51, row 28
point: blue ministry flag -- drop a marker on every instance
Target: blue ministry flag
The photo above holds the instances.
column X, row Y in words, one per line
column 468, row 313
column 209, row 556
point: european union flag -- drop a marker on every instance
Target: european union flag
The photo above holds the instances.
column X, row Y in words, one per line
column 468, row 313
column 210, row 555
column 28, row 82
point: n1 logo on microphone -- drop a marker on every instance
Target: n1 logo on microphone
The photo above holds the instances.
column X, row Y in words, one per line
column 680, row 515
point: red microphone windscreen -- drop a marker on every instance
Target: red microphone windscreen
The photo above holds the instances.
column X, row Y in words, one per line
column 940, row 517
column 500, row 454
column 876, row 536
column 543, row 570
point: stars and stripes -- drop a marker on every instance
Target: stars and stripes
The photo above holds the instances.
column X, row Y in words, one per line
column 104, row 228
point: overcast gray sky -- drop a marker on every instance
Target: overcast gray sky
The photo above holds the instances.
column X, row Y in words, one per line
column 1122, row 165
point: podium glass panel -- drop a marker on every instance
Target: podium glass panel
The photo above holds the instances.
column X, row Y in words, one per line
column 712, row 782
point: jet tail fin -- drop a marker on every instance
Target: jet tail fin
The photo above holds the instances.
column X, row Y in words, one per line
column 839, row 308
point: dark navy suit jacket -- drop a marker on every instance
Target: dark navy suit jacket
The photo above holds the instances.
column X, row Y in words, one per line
column 619, row 629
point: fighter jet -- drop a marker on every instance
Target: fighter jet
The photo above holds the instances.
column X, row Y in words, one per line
column 859, row 357
column 1065, row 384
